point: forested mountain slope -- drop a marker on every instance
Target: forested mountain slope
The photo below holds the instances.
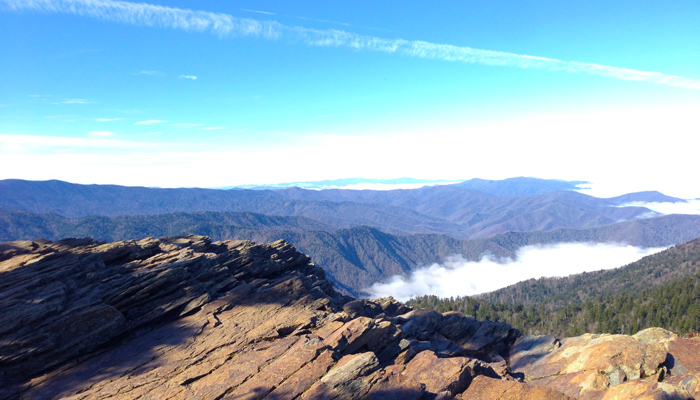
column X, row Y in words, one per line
column 660, row 290
column 354, row 258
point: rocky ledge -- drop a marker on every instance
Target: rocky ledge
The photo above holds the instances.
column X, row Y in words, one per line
column 188, row 318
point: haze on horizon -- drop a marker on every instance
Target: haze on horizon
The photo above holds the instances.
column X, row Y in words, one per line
column 208, row 94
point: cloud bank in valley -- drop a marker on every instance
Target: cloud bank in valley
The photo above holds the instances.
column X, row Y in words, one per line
column 459, row 277
column 143, row 14
column 687, row 207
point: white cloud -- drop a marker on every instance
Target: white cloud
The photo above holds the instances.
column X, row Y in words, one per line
column 457, row 277
column 97, row 134
column 192, row 77
column 108, row 119
column 686, row 207
column 429, row 150
column 148, row 72
column 74, row 101
column 258, row 11
column 214, row 128
column 12, row 148
column 142, row 14
column 149, row 122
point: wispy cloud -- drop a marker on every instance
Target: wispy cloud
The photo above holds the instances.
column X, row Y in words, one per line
column 143, row 14
column 459, row 277
column 149, row 122
column 187, row 125
column 108, row 119
column 74, row 101
column 213, row 128
column 258, row 11
column 148, row 72
column 345, row 24
column 99, row 134
column 194, row 78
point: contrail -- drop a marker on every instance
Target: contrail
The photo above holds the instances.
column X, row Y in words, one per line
column 143, row 14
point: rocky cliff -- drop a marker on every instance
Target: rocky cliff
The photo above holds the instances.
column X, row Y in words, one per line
column 188, row 318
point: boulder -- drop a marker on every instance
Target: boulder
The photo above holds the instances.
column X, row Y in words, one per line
column 451, row 375
column 587, row 363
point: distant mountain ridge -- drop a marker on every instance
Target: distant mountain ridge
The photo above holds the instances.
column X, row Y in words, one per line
column 645, row 197
column 339, row 183
column 520, row 186
column 508, row 187
column 443, row 209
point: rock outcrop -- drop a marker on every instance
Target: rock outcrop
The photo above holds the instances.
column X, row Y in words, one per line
column 188, row 318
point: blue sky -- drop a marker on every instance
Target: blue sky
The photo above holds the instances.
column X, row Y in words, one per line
column 105, row 91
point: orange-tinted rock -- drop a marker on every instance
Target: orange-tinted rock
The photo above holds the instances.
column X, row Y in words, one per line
column 207, row 338
column 396, row 387
column 350, row 378
column 350, row 334
column 440, row 374
column 640, row 390
column 689, row 382
column 303, row 378
column 183, row 318
column 587, row 363
column 350, row 367
column 685, row 356
column 484, row 388
column 282, row 367
column 328, row 329
column 361, row 332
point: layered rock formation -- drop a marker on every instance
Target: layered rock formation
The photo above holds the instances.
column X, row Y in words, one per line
column 188, row 318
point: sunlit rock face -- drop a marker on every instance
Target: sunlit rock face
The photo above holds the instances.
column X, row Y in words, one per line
column 190, row 318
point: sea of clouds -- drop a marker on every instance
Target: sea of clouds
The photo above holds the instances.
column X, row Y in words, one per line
column 459, row 277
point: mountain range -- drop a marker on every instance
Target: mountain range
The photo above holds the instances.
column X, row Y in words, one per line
column 455, row 210
column 358, row 236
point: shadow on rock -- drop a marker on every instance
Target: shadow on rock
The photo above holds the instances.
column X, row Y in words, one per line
column 65, row 306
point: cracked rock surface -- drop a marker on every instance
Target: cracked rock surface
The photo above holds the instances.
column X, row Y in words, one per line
column 185, row 318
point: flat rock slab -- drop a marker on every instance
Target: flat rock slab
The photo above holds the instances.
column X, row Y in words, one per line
column 484, row 388
column 585, row 363
column 641, row 390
